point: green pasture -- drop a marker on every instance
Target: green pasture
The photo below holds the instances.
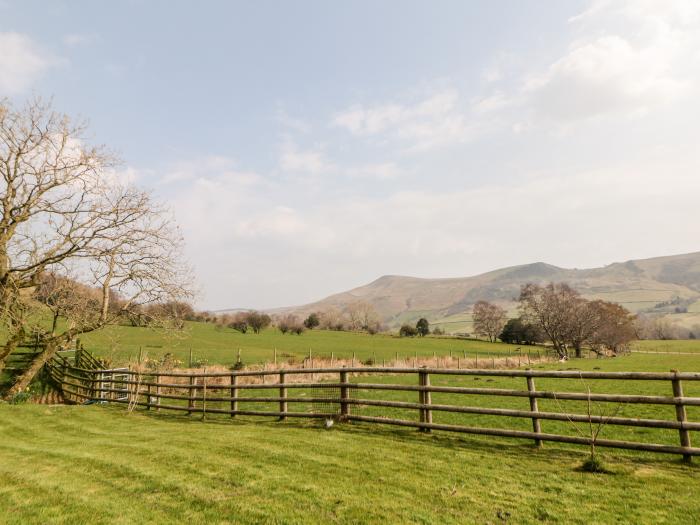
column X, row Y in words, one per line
column 220, row 345
column 103, row 464
column 673, row 347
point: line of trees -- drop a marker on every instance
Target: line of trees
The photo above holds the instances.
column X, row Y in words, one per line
column 557, row 313
column 568, row 320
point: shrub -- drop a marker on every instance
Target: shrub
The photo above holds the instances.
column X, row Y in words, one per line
column 408, row 331
column 423, row 327
column 20, row 398
column 312, row 321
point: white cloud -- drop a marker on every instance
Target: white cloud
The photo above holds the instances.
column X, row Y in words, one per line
column 432, row 122
column 632, row 57
column 22, row 62
column 295, row 160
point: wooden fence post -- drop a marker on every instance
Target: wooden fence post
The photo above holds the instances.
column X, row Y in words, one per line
column 283, row 398
column 536, row 427
column 344, row 394
column 234, row 395
column 427, row 414
column 192, row 393
column 148, row 396
column 158, row 393
column 681, row 415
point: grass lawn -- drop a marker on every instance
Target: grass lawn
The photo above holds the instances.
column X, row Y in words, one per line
column 92, row 464
column 220, row 345
column 101, row 464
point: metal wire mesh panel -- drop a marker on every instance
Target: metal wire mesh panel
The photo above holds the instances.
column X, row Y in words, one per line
column 327, row 400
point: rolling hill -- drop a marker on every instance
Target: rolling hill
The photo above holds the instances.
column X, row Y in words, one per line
column 663, row 285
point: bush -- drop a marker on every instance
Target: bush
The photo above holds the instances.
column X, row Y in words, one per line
column 20, row 398
column 408, row 331
column 312, row 321
column 594, row 464
column 438, row 331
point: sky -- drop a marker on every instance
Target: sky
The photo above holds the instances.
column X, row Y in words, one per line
column 309, row 147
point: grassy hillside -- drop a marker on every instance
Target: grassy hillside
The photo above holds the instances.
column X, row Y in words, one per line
column 641, row 285
column 110, row 466
column 220, row 345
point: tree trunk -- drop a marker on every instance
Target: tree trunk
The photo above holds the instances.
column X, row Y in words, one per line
column 579, row 353
column 9, row 347
column 23, row 381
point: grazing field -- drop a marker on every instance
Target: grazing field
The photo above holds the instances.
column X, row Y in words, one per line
column 220, row 345
column 102, row 464
column 92, row 464
column 690, row 345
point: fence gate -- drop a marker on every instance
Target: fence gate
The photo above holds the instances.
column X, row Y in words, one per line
column 113, row 385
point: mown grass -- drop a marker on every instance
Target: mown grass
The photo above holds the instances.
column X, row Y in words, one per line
column 92, row 464
column 220, row 345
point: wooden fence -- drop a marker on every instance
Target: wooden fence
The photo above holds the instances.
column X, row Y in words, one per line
column 334, row 395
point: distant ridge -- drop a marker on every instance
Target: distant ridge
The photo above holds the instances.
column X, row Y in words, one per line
column 639, row 285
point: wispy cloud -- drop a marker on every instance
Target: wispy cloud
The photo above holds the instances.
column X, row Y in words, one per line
column 22, row 62
column 432, row 122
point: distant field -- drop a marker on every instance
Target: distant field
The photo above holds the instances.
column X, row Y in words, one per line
column 100, row 464
column 220, row 345
column 690, row 345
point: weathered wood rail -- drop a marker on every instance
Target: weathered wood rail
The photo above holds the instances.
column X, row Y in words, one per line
column 224, row 393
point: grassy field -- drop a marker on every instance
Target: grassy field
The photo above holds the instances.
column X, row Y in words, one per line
column 220, row 345
column 690, row 345
column 93, row 464
column 101, row 464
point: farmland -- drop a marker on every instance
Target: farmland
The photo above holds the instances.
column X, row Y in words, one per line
column 220, row 345
column 114, row 466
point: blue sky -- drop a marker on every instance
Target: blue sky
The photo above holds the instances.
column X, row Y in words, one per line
column 308, row 147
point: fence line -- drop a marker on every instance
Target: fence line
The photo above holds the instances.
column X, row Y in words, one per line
column 336, row 398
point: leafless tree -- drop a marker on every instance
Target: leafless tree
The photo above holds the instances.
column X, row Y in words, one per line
column 332, row 319
column 550, row 307
column 363, row 316
column 489, row 320
column 64, row 212
column 615, row 327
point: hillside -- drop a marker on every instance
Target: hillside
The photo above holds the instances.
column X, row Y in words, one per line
column 664, row 285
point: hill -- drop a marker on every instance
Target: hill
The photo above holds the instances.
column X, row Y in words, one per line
column 663, row 285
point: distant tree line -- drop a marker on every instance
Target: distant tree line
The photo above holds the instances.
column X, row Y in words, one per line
column 557, row 313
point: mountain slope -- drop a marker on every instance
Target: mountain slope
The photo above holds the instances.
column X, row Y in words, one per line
column 640, row 285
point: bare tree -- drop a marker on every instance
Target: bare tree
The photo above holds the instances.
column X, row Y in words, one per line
column 583, row 319
column 64, row 212
column 615, row 327
column 332, row 319
column 550, row 308
column 489, row 320
column 363, row 316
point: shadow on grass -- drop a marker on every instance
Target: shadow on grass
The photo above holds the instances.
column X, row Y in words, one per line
column 505, row 447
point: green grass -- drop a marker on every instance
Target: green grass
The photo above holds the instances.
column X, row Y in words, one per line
column 220, row 345
column 690, row 345
column 93, row 464
column 101, row 464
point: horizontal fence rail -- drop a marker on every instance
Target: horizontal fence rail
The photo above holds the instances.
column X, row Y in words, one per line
column 334, row 396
